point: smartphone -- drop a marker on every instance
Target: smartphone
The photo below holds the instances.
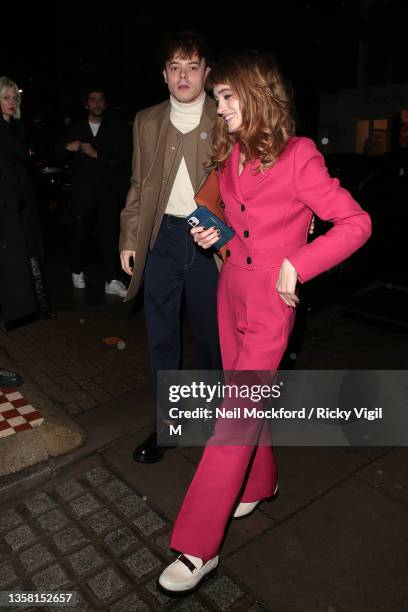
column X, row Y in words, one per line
column 205, row 218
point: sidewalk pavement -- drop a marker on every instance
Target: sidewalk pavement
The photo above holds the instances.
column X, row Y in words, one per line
column 95, row 522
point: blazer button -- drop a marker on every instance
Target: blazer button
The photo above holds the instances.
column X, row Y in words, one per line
column 249, row 260
column 228, row 252
column 242, row 207
column 246, row 234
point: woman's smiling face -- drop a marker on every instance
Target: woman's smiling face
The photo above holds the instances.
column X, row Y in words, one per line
column 228, row 106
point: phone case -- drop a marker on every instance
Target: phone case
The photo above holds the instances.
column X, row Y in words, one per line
column 205, row 218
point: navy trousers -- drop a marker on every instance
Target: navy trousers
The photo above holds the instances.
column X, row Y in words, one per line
column 174, row 266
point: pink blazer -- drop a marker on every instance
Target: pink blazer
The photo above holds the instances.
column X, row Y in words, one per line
column 271, row 212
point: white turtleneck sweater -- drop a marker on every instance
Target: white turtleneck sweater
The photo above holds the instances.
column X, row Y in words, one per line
column 185, row 117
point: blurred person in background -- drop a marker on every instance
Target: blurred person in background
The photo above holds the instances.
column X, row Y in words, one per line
column 22, row 249
column 20, row 238
column 100, row 147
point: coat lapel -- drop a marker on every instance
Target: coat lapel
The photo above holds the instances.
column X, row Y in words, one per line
column 155, row 135
column 204, row 144
column 251, row 181
column 231, row 178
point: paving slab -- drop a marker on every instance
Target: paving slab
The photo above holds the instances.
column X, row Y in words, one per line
column 109, row 422
column 7, row 574
column 35, row 557
column 348, row 550
column 20, row 537
column 389, row 474
column 85, row 560
column 305, row 473
column 87, row 530
column 121, row 540
column 69, row 539
column 53, row 521
column 241, row 532
column 223, row 592
column 130, row 602
column 164, row 483
column 141, row 562
column 107, row 585
column 102, row 521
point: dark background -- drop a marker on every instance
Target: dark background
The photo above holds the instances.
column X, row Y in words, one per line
column 53, row 52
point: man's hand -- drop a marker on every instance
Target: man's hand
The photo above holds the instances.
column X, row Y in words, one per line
column 127, row 259
column 88, row 150
column 73, row 146
column 205, row 238
column 286, row 284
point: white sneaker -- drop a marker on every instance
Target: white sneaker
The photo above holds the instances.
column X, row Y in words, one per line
column 245, row 508
column 184, row 575
column 78, row 281
column 116, row 287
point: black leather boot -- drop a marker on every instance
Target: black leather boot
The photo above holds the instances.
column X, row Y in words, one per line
column 149, row 451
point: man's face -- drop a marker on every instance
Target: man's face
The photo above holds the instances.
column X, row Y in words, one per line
column 96, row 104
column 185, row 77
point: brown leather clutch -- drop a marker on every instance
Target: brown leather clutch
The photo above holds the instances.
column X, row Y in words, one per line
column 209, row 195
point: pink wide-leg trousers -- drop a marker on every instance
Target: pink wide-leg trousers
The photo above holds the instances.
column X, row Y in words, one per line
column 254, row 326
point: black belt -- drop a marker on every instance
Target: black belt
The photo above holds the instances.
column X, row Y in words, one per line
column 176, row 220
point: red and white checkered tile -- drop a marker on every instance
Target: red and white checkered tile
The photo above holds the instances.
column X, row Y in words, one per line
column 16, row 414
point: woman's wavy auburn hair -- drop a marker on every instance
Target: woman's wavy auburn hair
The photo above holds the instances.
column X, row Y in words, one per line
column 265, row 104
column 6, row 83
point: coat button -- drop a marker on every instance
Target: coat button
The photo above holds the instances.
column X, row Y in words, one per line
column 246, row 234
column 242, row 207
column 228, row 252
column 249, row 260
column 222, row 205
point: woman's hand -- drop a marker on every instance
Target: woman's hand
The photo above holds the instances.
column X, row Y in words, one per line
column 205, row 238
column 286, row 284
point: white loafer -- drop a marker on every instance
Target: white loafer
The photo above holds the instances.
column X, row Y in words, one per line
column 245, row 508
column 184, row 575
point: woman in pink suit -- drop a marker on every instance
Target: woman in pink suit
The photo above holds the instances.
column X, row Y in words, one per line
column 271, row 183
